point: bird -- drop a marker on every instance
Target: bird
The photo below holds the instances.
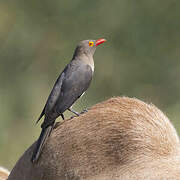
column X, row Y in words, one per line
column 71, row 84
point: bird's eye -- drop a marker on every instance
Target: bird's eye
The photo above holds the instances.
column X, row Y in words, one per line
column 91, row 43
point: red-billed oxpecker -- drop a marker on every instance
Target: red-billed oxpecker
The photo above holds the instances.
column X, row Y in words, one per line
column 70, row 85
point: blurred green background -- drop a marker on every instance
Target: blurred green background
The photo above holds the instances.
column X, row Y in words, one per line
column 37, row 38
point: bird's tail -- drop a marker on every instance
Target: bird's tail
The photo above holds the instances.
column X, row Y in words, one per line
column 40, row 143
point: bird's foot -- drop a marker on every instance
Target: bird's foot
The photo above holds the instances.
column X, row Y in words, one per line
column 72, row 117
column 84, row 111
column 76, row 113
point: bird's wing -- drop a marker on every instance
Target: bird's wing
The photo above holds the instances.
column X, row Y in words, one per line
column 53, row 95
column 76, row 82
column 42, row 114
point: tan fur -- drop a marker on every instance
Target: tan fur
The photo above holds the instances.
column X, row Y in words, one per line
column 121, row 138
column 4, row 173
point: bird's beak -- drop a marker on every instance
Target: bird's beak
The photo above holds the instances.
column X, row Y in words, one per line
column 100, row 41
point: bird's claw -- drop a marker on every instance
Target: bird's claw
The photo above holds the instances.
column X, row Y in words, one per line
column 78, row 114
column 73, row 117
column 84, row 111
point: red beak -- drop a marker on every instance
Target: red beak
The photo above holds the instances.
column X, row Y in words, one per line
column 100, row 41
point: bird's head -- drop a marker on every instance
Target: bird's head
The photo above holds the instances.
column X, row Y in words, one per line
column 87, row 47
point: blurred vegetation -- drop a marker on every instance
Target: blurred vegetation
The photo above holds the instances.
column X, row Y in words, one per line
column 140, row 59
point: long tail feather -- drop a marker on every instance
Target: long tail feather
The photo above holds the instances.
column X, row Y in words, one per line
column 40, row 143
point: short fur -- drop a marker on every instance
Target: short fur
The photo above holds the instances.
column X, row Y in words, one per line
column 118, row 139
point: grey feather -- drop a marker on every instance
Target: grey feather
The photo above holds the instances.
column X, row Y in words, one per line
column 70, row 85
column 53, row 97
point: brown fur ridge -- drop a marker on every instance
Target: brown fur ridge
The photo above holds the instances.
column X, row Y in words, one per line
column 121, row 138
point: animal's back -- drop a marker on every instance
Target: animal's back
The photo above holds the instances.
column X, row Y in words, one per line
column 121, row 138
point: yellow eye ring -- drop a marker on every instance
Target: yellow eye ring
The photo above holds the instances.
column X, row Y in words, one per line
column 91, row 43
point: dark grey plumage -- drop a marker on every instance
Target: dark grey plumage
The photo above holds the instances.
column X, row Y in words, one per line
column 70, row 85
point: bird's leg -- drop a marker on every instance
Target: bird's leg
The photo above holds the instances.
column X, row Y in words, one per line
column 71, row 110
column 51, row 129
column 62, row 115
